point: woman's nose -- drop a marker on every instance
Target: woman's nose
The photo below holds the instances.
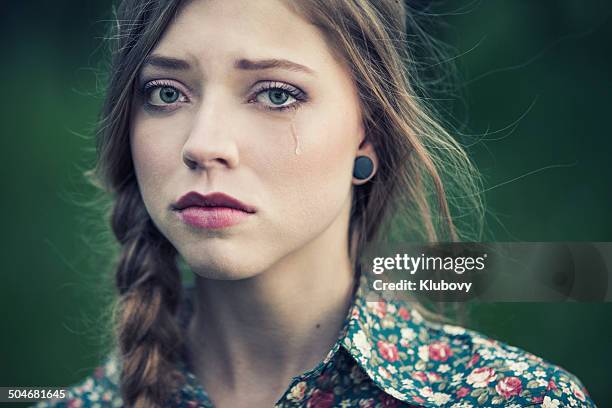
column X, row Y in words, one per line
column 211, row 142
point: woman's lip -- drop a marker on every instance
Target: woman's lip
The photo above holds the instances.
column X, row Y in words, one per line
column 216, row 199
column 212, row 217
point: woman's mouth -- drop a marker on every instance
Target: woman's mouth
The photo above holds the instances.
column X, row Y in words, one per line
column 212, row 211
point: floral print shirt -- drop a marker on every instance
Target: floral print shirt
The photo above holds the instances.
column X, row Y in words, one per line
column 389, row 355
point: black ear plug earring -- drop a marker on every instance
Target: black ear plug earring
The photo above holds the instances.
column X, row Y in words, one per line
column 364, row 166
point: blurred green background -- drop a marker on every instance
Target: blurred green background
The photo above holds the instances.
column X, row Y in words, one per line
column 536, row 77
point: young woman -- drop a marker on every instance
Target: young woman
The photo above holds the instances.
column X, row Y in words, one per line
column 267, row 143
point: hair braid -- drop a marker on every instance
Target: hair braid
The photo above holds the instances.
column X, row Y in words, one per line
column 149, row 285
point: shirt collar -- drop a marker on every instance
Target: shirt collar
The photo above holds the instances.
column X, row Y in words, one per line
column 384, row 336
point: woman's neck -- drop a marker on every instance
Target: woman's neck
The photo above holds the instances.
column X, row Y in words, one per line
column 257, row 333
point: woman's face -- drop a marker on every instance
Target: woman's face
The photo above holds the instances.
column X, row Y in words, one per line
column 209, row 102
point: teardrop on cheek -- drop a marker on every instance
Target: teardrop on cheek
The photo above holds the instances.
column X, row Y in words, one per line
column 295, row 135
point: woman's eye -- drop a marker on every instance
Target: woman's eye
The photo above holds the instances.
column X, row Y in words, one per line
column 163, row 95
column 276, row 97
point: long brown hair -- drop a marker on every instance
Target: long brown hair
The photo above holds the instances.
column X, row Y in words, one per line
column 423, row 172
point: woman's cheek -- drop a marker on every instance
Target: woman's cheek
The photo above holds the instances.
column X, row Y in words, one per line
column 313, row 185
column 154, row 159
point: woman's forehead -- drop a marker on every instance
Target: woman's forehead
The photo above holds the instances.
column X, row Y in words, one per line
column 235, row 32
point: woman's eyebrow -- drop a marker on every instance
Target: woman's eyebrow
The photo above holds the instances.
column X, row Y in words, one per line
column 159, row 61
column 177, row 64
column 251, row 65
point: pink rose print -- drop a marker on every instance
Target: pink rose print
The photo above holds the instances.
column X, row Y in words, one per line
column 388, row 351
column 380, row 309
column 577, row 392
column 404, row 313
column 384, row 373
column 433, row 377
column 321, row 399
column 462, row 392
column 420, row 376
column 509, row 386
column 439, row 351
column 481, row 377
column 473, row 360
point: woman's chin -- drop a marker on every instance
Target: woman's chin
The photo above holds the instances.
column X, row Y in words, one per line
column 220, row 268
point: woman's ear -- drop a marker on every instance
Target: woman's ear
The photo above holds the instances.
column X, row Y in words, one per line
column 366, row 163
